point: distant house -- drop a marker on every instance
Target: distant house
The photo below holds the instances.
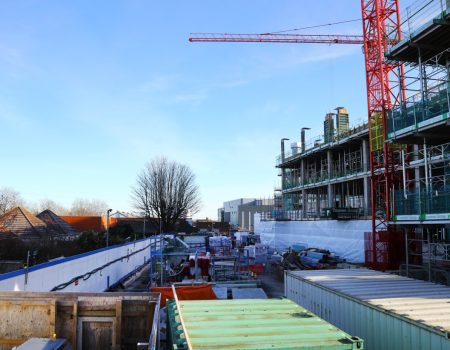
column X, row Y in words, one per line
column 212, row 226
column 57, row 227
column 87, row 223
column 122, row 215
column 19, row 222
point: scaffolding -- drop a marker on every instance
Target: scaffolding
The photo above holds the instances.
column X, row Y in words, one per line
column 348, row 162
column 418, row 129
column 427, row 86
column 427, row 252
column 427, row 188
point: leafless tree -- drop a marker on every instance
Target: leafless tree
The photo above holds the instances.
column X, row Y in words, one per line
column 55, row 207
column 166, row 190
column 9, row 198
column 88, row 207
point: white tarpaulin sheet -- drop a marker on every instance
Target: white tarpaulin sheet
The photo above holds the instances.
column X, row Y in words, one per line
column 345, row 238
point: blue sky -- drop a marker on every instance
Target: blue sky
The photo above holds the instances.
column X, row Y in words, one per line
column 92, row 90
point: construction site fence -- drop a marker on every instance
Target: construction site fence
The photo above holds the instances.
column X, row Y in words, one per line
column 324, row 214
column 422, row 202
column 416, row 110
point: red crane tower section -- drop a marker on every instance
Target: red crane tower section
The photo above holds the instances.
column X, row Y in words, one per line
column 384, row 79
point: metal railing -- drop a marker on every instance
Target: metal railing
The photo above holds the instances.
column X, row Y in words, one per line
column 439, row 251
column 422, row 202
column 420, row 13
column 318, row 141
column 290, row 183
column 417, row 15
column 415, row 110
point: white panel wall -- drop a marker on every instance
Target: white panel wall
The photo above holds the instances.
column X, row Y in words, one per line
column 345, row 238
column 43, row 277
column 378, row 329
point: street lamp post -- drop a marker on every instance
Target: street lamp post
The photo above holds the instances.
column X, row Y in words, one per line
column 143, row 233
column 161, row 245
column 107, row 226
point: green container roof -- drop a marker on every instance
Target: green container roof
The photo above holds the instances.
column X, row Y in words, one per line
column 257, row 324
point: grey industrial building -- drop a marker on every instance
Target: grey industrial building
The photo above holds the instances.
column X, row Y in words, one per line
column 239, row 213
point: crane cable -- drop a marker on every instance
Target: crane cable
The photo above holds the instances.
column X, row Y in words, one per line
column 316, row 26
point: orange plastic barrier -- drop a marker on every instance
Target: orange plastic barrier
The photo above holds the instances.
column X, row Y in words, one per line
column 202, row 292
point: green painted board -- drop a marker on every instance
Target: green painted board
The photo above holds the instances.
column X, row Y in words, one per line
column 253, row 324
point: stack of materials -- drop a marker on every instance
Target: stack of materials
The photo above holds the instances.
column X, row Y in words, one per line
column 311, row 258
column 220, row 245
column 256, row 256
column 196, row 243
column 319, row 258
column 257, row 253
column 225, row 268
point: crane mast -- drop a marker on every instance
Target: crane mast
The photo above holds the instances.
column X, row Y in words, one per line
column 385, row 89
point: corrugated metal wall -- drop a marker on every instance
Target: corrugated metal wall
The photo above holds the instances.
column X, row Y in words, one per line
column 380, row 330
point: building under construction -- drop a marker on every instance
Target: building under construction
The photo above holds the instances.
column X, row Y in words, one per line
column 405, row 156
column 328, row 177
column 418, row 132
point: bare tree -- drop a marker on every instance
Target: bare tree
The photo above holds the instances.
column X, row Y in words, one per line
column 166, row 190
column 88, row 207
column 9, row 198
column 55, row 207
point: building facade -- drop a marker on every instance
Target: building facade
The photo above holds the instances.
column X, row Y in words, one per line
column 328, row 177
column 328, row 127
column 231, row 210
column 418, row 128
column 342, row 121
column 334, row 176
column 239, row 212
column 246, row 212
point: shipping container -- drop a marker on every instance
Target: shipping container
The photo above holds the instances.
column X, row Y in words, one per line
column 388, row 311
column 251, row 324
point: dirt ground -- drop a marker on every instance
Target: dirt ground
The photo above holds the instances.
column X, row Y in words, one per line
column 272, row 281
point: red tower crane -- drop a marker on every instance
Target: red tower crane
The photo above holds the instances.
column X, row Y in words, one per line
column 385, row 89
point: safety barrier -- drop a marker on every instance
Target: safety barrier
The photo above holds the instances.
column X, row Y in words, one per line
column 93, row 271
